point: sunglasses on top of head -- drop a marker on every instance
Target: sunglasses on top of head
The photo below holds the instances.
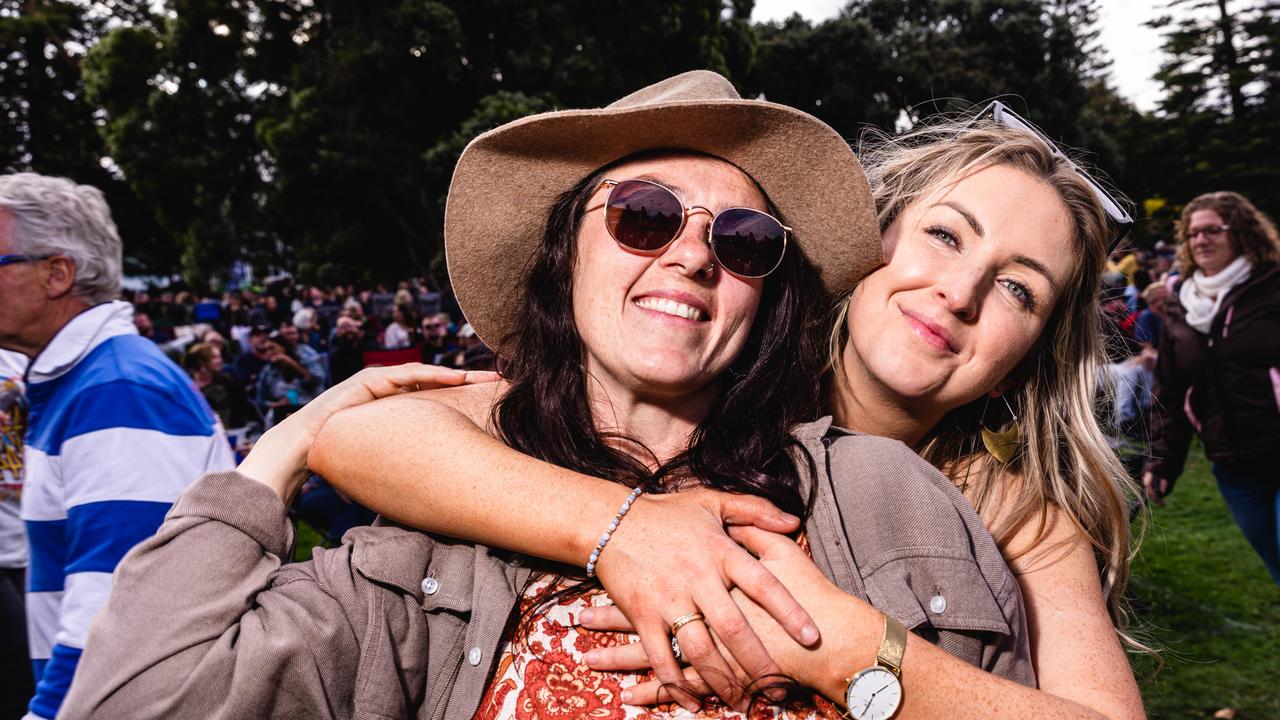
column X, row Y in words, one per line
column 1120, row 218
column 646, row 217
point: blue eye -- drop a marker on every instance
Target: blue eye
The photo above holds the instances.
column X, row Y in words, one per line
column 1021, row 293
column 944, row 234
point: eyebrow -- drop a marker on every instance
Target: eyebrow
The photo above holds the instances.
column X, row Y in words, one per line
column 1027, row 262
column 1039, row 267
column 664, row 183
column 968, row 216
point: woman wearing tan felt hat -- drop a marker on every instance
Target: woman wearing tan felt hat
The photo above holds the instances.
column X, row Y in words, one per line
column 976, row 344
column 652, row 273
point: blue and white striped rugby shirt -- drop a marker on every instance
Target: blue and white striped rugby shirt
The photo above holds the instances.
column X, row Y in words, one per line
column 116, row 432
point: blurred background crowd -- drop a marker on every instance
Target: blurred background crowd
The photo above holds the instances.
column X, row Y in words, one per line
column 259, row 354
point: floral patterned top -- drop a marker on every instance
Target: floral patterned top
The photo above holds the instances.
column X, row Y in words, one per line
column 540, row 674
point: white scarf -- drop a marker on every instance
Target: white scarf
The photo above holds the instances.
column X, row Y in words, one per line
column 1202, row 296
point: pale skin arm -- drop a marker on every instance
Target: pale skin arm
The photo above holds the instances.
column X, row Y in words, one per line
column 1081, row 668
column 935, row 684
column 424, row 460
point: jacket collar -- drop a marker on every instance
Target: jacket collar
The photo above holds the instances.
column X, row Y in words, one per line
column 79, row 337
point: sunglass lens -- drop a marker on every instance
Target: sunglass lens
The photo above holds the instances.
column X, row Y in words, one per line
column 643, row 216
column 748, row 242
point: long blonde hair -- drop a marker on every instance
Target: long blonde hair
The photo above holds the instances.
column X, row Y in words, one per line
column 1063, row 457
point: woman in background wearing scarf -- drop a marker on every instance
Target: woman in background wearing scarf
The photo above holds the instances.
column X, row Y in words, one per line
column 1219, row 367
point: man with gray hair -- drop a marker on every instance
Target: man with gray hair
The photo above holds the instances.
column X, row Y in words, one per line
column 115, row 429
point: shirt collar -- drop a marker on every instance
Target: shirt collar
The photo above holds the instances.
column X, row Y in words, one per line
column 79, row 337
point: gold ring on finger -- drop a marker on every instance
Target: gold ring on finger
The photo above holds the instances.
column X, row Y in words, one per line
column 685, row 620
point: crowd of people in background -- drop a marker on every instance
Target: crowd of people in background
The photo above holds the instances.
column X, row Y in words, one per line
column 259, row 355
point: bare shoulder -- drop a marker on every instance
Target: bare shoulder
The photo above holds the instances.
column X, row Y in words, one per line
column 1048, row 543
column 476, row 402
column 407, row 412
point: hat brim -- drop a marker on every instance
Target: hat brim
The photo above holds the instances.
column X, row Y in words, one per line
column 507, row 180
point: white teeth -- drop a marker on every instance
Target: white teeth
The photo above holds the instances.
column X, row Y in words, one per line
column 670, row 307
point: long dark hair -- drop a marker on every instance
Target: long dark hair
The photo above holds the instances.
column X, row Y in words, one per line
column 743, row 444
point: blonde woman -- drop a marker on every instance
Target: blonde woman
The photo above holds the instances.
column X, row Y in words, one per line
column 983, row 321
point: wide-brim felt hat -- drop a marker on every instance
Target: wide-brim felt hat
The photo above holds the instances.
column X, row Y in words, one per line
column 508, row 179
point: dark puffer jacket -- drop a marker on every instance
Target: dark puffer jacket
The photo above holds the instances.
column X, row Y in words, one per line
column 1224, row 385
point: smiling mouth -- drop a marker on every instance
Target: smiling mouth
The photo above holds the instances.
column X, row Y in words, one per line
column 927, row 333
column 671, row 307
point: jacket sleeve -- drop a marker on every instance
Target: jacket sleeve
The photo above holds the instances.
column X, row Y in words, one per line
column 1168, row 423
column 204, row 622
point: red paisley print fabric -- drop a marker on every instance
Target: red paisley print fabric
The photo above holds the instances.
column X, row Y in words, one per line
column 540, row 674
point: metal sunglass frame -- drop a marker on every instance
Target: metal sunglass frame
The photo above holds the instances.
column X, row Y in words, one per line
column 1006, row 117
column 684, row 219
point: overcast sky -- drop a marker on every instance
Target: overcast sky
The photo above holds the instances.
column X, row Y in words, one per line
column 1134, row 49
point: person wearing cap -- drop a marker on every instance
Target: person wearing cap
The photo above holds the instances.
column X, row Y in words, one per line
column 977, row 344
column 656, row 254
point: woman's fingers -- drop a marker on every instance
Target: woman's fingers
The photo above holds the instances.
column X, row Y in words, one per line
column 735, row 633
column 607, row 618
column 699, row 649
column 477, row 377
column 384, row 381
column 751, row 510
column 657, row 647
column 765, row 545
column 629, row 657
column 655, row 692
column 755, row 580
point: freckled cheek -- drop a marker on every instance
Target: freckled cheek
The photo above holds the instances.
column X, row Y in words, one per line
column 1007, row 345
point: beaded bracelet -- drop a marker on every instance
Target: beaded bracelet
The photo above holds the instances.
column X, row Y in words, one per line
column 604, row 539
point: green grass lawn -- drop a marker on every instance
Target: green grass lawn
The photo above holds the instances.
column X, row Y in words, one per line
column 1208, row 602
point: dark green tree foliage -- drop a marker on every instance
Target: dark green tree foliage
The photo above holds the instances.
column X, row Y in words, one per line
column 320, row 135
column 886, row 62
column 46, row 123
column 1219, row 119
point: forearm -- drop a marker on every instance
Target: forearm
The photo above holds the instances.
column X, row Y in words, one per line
column 935, row 683
column 426, row 464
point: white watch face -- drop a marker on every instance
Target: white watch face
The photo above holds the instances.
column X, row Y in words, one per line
column 874, row 694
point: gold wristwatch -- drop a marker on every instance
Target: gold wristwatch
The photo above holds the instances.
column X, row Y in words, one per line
column 876, row 692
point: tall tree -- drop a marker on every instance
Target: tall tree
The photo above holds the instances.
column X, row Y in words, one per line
column 47, row 124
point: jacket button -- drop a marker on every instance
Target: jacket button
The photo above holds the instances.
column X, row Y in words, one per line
column 430, row 586
column 473, row 657
column 938, row 604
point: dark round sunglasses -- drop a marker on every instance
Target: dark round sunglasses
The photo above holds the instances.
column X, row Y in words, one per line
column 646, row 217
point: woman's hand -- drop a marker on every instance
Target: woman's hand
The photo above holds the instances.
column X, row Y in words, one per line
column 1155, row 487
column 848, row 629
column 279, row 458
column 689, row 570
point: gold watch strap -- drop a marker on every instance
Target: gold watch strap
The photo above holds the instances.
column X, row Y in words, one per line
column 892, row 645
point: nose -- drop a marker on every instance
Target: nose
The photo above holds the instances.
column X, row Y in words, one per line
column 961, row 292
column 690, row 254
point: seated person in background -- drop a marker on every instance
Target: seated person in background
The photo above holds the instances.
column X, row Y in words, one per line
column 254, row 357
column 286, row 382
column 399, row 333
column 1146, row 329
column 203, row 362
column 147, row 329
column 347, row 347
column 437, row 343
column 312, row 360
